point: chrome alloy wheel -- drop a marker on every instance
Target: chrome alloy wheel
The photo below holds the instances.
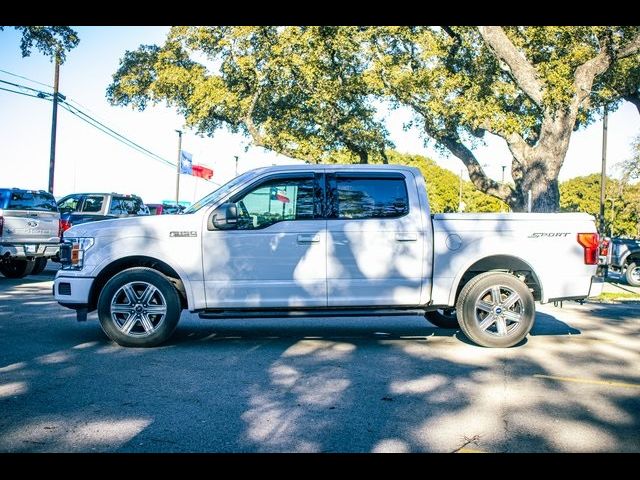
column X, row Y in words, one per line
column 499, row 311
column 635, row 273
column 138, row 309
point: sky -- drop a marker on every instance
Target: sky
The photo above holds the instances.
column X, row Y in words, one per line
column 89, row 160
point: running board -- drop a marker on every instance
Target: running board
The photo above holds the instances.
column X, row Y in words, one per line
column 316, row 312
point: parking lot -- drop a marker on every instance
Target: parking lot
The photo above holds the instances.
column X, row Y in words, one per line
column 391, row 384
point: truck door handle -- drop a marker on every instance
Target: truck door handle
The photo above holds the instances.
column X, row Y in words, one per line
column 308, row 238
column 406, row 237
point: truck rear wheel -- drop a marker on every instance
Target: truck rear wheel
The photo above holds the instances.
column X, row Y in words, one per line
column 16, row 267
column 496, row 310
column 443, row 318
column 139, row 307
column 633, row 274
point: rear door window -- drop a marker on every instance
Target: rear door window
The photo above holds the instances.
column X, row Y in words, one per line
column 93, row 203
column 127, row 206
column 362, row 198
column 31, row 200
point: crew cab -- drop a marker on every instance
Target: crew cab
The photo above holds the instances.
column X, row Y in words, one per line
column 89, row 207
column 326, row 240
column 29, row 231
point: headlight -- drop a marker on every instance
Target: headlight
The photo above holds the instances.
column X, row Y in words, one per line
column 72, row 252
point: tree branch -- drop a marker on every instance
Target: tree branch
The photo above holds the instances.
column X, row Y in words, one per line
column 523, row 72
column 476, row 173
column 629, row 49
column 633, row 98
column 258, row 139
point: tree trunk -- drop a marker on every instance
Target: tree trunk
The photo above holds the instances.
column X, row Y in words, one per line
column 540, row 177
column 545, row 194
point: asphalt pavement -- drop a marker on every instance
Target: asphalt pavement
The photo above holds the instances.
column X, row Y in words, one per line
column 372, row 384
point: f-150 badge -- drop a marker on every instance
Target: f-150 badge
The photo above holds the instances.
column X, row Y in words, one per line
column 190, row 233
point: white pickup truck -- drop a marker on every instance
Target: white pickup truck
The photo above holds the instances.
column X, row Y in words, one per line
column 326, row 240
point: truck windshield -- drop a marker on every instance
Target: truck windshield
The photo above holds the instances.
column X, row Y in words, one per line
column 29, row 200
column 219, row 193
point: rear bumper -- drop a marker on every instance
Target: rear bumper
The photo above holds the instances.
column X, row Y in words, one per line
column 30, row 250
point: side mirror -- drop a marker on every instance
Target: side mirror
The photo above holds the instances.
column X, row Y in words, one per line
column 225, row 217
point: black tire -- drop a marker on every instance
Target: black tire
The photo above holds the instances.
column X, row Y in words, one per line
column 633, row 274
column 477, row 304
column 135, row 324
column 16, row 267
column 40, row 264
column 443, row 318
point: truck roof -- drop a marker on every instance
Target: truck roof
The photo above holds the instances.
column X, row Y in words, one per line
column 334, row 167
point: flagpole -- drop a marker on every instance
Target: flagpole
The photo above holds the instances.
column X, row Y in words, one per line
column 178, row 170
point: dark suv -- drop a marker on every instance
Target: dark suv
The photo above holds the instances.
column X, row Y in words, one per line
column 29, row 231
column 88, row 207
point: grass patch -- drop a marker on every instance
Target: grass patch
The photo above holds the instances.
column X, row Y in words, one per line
column 609, row 296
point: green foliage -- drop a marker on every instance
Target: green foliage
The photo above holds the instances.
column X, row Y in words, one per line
column 309, row 92
column 631, row 166
column 300, row 91
column 461, row 85
column 51, row 41
column 443, row 187
column 622, row 202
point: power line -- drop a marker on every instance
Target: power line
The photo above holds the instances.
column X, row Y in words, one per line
column 116, row 133
column 89, row 119
column 26, row 78
column 20, row 93
column 113, row 134
column 23, row 87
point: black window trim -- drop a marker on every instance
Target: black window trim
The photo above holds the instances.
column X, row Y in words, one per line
column 332, row 194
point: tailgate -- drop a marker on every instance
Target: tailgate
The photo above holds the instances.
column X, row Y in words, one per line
column 28, row 226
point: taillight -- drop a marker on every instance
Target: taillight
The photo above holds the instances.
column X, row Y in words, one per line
column 64, row 225
column 589, row 241
column 604, row 247
column 1, row 225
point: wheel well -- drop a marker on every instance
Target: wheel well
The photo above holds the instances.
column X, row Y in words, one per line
column 504, row 263
column 633, row 258
column 136, row 261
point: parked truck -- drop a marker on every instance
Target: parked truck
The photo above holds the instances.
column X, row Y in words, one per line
column 624, row 258
column 326, row 240
column 29, row 231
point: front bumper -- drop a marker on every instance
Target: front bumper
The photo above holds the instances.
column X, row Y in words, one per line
column 597, row 284
column 70, row 291
column 30, row 250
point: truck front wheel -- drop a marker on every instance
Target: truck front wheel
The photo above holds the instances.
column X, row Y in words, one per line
column 496, row 310
column 139, row 307
column 633, row 274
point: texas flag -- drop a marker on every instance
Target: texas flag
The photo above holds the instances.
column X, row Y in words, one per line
column 279, row 195
column 185, row 162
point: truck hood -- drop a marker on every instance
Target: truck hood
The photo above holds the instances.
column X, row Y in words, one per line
column 142, row 226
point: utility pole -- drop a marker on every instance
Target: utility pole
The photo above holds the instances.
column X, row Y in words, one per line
column 503, row 167
column 603, row 174
column 54, row 122
column 178, row 170
column 236, row 156
column 460, row 194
